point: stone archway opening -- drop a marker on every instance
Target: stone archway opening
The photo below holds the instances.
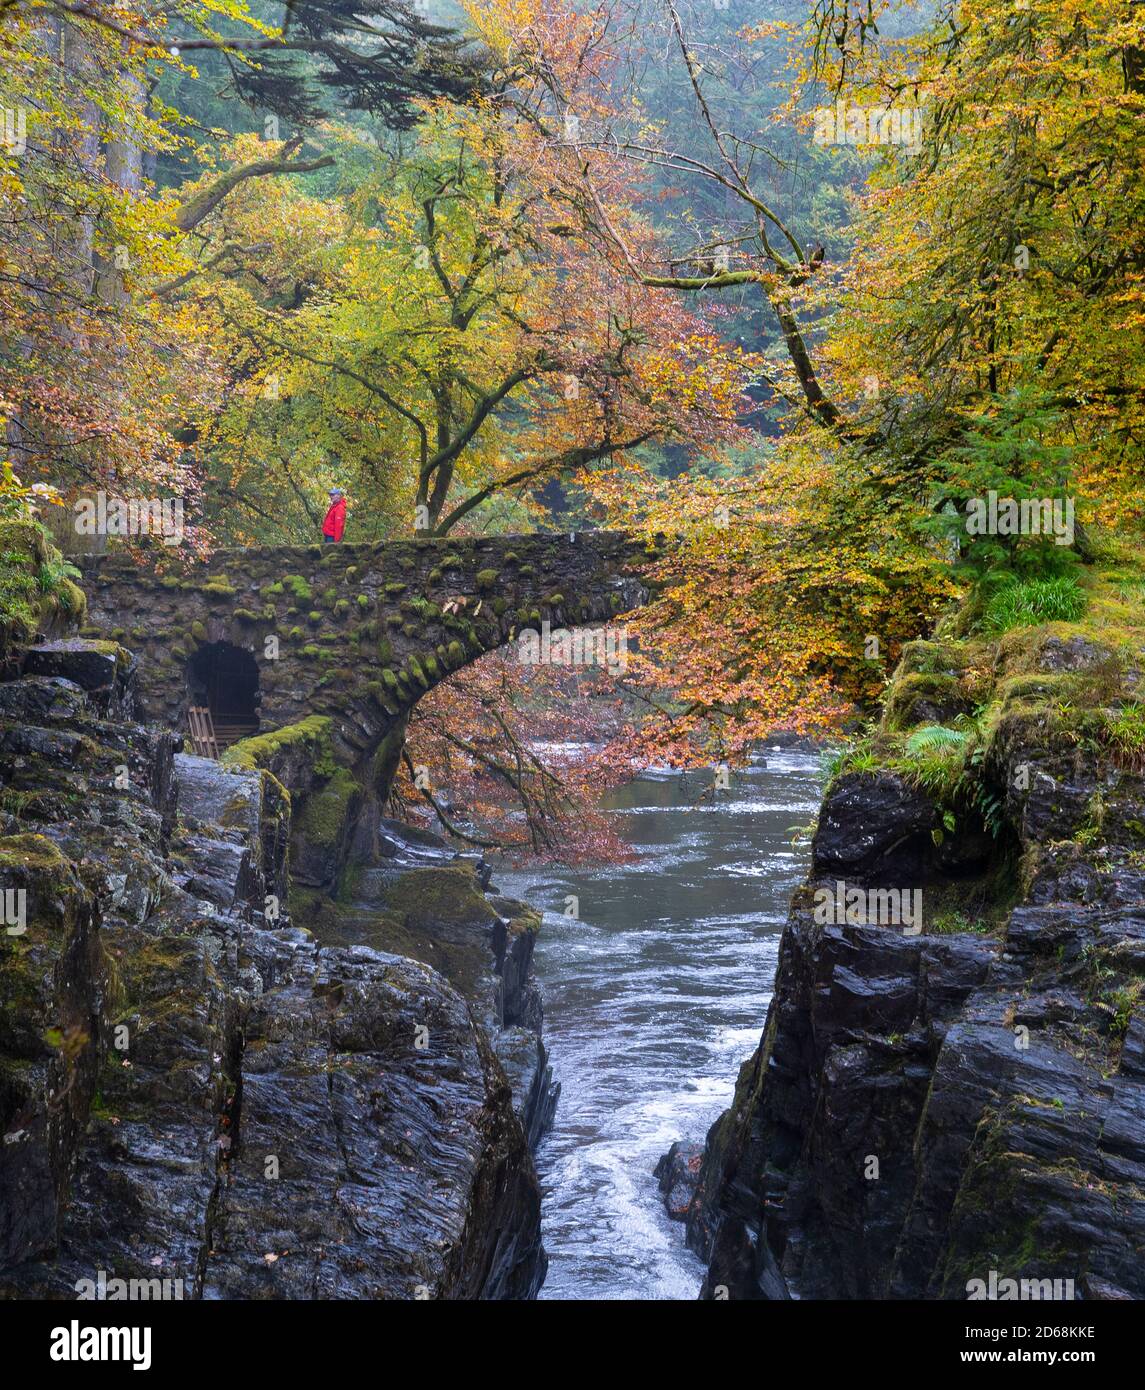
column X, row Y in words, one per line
column 224, row 679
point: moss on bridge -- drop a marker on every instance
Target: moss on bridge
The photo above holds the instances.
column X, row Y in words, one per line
column 348, row 638
column 310, row 737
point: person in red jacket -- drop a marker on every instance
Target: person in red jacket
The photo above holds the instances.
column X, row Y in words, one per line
column 335, row 522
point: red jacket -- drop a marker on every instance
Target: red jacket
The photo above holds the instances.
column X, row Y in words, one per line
column 335, row 522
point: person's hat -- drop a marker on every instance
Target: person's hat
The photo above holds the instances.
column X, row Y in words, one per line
column 336, row 492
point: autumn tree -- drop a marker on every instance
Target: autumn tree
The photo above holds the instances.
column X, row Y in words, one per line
column 97, row 375
column 426, row 332
column 992, row 250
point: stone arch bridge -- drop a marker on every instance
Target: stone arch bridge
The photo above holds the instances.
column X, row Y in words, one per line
column 340, row 642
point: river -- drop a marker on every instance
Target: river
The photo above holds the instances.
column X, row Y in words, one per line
column 654, row 995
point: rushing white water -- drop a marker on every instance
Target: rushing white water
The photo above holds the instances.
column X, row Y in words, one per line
column 654, row 995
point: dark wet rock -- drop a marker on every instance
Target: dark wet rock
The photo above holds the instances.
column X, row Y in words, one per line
column 401, row 847
column 874, row 829
column 220, row 871
column 38, row 698
column 253, row 809
column 165, row 1033
column 1047, row 784
column 678, row 1173
column 376, row 1154
column 53, row 978
column 104, row 670
column 923, row 1111
column 525, row 1060
column 104, row 793
column 434, row 910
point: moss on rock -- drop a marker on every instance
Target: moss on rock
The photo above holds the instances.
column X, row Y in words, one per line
column 326, row 813
column 923, row 699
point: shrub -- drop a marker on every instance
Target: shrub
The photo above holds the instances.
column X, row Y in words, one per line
column 1021, row 603
column 1125, row 734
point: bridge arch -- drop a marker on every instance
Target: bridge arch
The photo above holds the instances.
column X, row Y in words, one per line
column 346, row 639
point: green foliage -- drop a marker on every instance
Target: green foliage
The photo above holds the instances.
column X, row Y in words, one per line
column 933, row 757
column 953, row 922
column 975, row 792
column 1124, row 731
column 18, row 589
column 1020, row 603
column 1014, row 450
column 1123, row 1002
column 53, row 571
column 35, row 580
column 857, row 756
column 935, row 738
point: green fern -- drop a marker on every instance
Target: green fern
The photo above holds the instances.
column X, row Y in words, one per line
column 936, row 738
column 53, row 571
column 971, row 790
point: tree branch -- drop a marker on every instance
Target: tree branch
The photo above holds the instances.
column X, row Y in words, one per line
column 203, row 204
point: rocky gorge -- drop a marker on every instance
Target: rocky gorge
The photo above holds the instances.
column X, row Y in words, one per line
column 259, row 1042
column 196, row 1089
column 932, row 1111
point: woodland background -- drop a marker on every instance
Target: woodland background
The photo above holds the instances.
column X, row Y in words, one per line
column 518, row 264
